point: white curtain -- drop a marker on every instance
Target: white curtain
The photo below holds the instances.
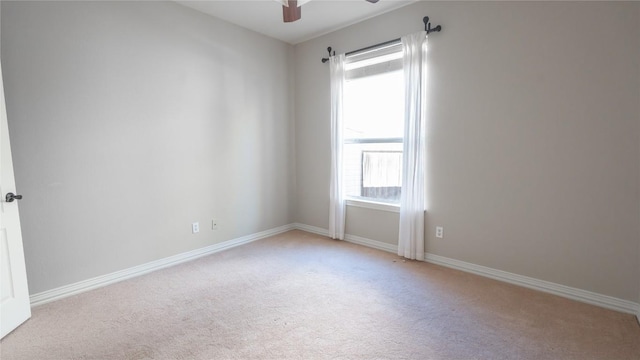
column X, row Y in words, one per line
column 336, row 199
column 412, row 198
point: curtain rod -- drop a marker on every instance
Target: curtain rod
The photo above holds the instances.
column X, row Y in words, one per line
column 427, row 28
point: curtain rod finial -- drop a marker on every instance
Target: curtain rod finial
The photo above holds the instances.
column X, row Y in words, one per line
column 427, row 25
column 324, row 60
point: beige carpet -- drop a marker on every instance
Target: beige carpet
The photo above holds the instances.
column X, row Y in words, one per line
column 301, row 296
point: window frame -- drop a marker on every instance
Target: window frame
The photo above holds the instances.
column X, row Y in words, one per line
column 389, row 52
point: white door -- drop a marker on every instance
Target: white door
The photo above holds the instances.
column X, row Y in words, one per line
column 14, row 293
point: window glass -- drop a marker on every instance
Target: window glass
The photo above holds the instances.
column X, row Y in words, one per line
column 373, row 128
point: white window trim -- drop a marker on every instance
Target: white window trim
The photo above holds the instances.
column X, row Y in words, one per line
column 375, row 205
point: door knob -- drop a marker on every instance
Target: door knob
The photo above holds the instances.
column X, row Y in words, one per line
column 11, row 196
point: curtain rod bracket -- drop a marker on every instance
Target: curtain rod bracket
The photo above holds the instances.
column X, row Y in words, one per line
column 427, row 25
column 324, row 60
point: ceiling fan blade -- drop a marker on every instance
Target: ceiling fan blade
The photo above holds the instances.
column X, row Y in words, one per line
column 292, row 12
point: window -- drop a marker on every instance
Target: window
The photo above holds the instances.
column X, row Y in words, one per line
column 374, row 125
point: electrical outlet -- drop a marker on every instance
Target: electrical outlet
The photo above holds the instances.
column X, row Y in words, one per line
column 195, row 228
column 439, row 232
column 214, row 224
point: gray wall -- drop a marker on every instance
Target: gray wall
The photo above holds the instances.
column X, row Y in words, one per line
column 130, row 121
column 533, row 162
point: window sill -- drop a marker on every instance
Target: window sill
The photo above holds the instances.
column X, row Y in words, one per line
column 367, row 204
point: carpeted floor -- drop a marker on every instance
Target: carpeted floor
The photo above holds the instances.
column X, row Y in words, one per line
column 302, row 296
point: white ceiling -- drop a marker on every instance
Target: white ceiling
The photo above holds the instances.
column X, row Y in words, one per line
column 318, row 16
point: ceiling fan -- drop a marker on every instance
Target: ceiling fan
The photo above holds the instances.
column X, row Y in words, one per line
column 291, row 9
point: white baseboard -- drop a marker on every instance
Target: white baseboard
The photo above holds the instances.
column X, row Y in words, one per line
column 372, row 243
column 588, row 297
column 104, row 280
column 311, row 229
column 350, row 238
